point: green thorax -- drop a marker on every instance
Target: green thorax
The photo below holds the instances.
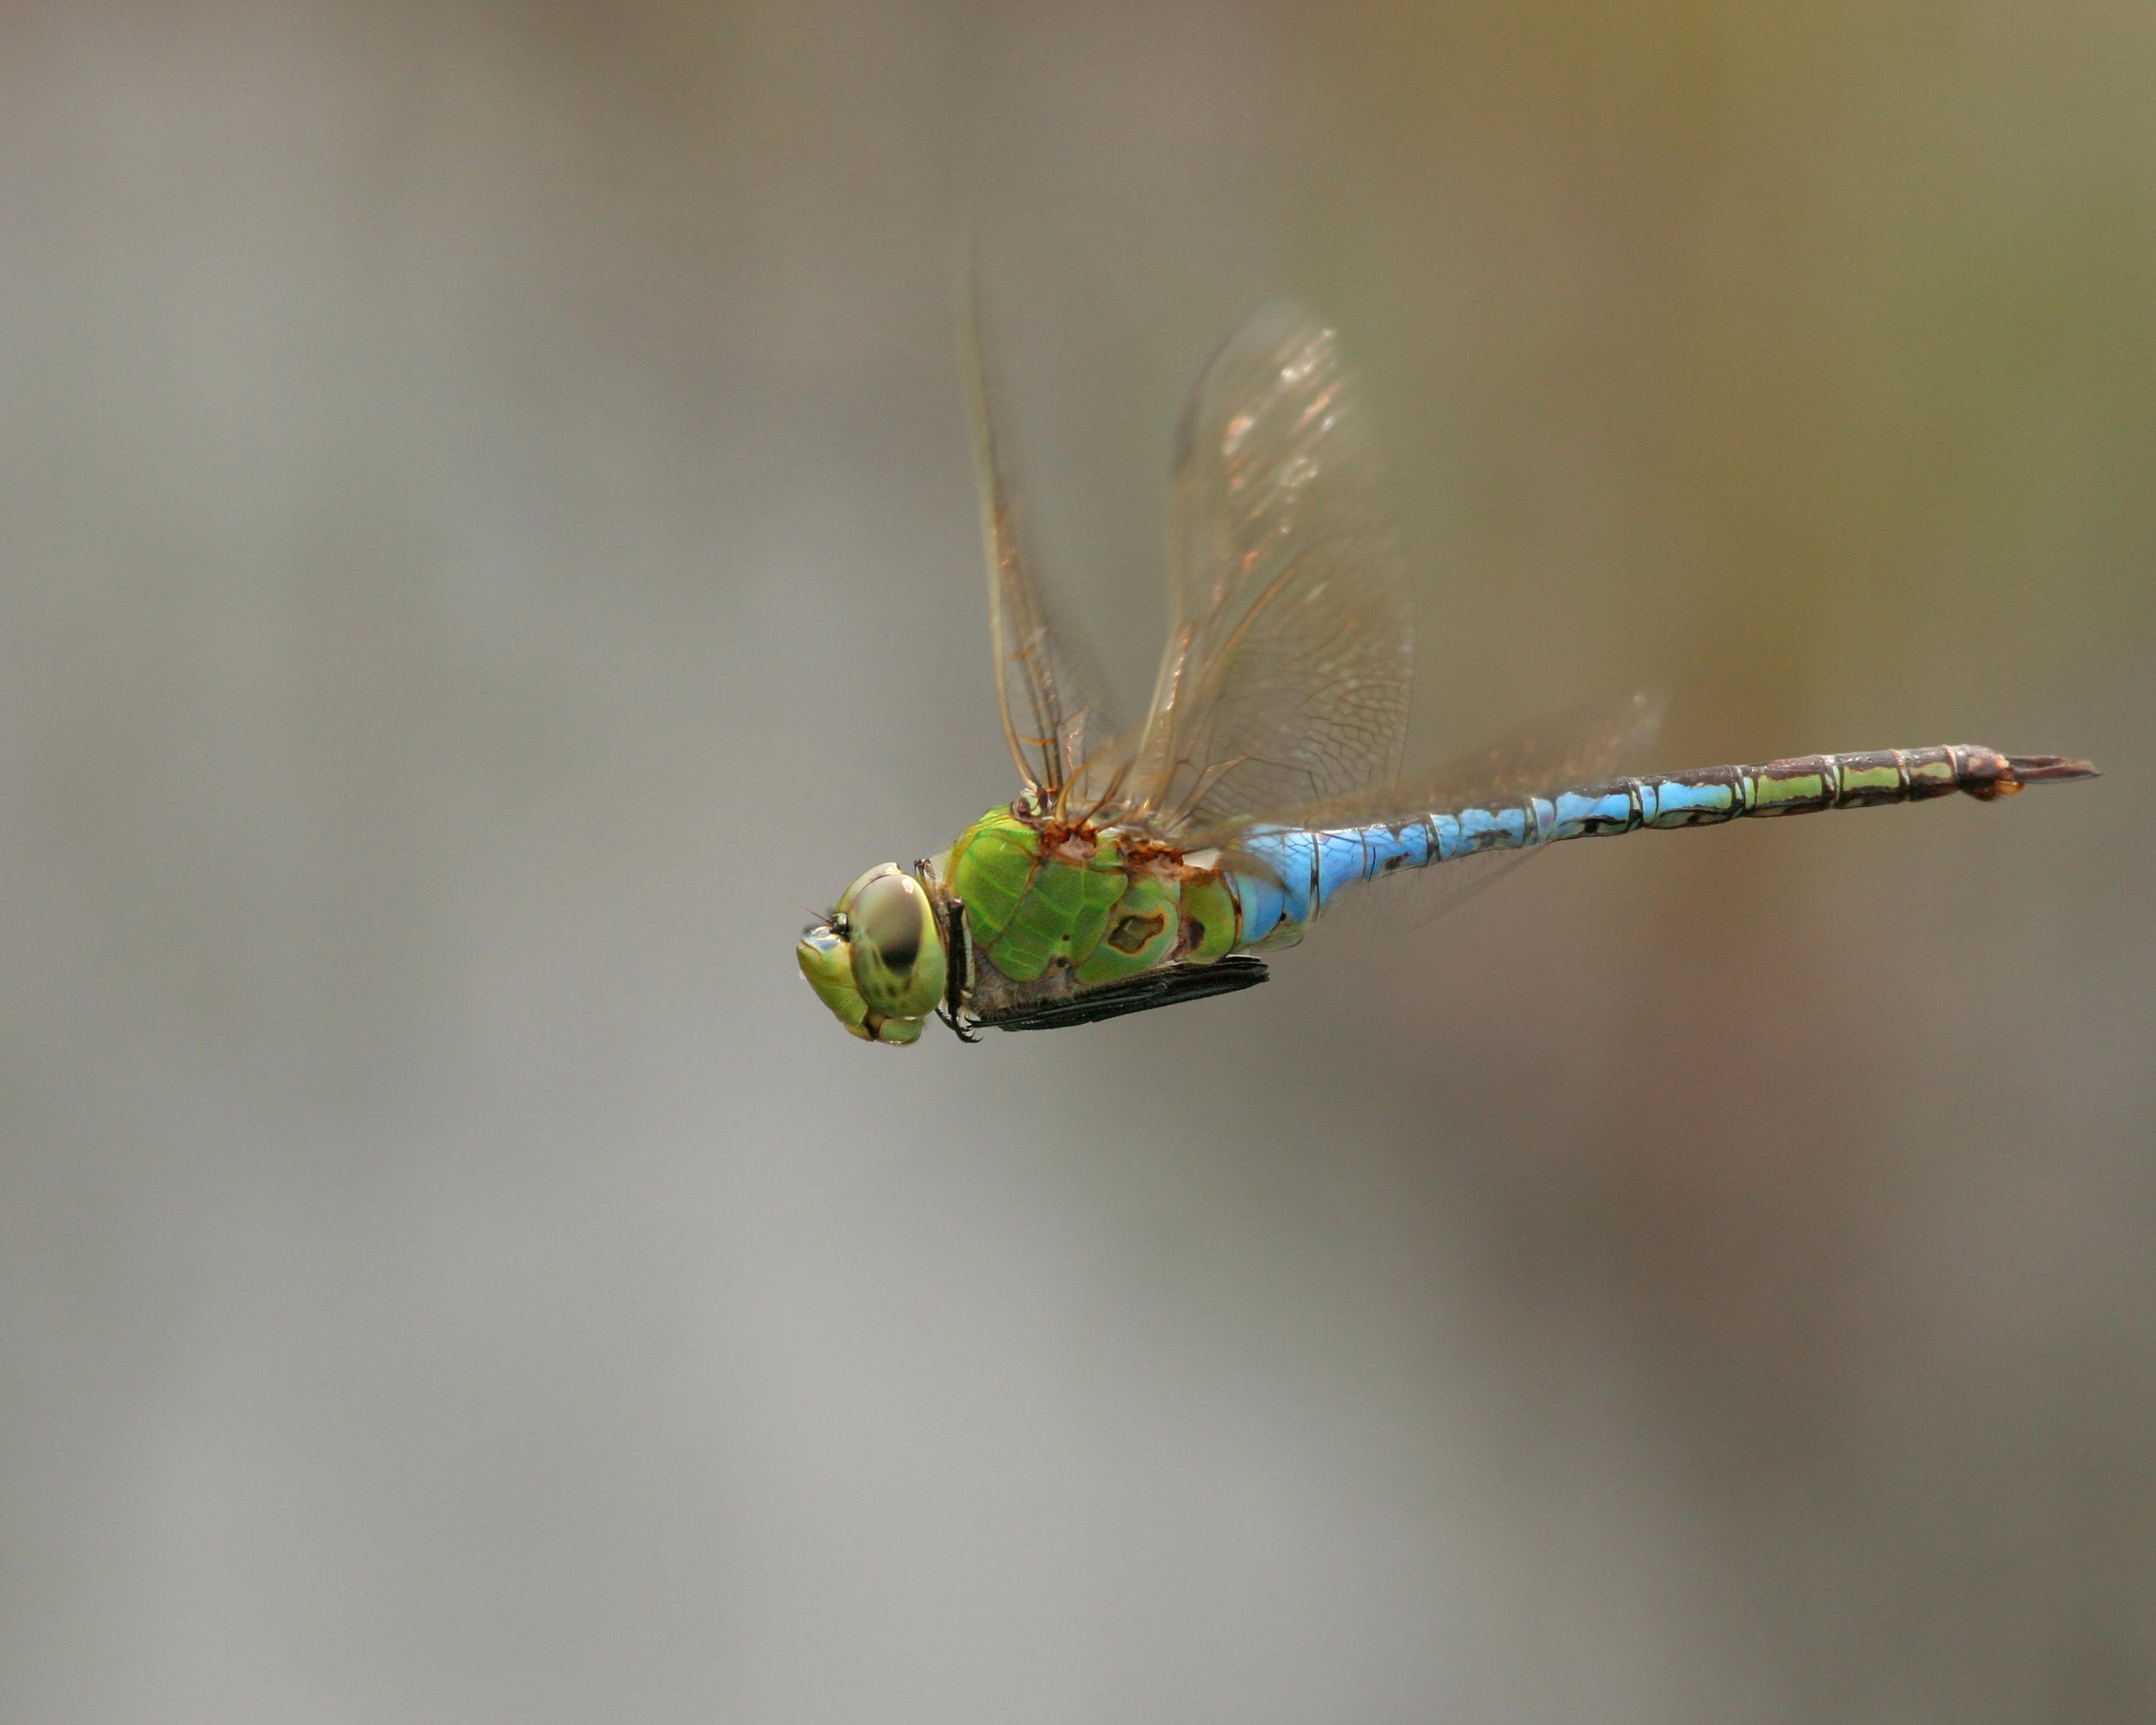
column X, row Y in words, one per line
column 1038, row 894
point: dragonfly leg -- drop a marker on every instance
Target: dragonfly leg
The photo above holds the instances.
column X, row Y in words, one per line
column 1171, row 985
column 958, row 964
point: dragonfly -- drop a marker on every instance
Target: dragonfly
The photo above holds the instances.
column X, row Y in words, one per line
column 1149, row 864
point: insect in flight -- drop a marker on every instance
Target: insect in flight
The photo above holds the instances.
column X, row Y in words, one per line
column 1145, row 866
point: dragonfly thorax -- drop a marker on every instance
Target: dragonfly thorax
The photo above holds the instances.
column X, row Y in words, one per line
column 1060, row 906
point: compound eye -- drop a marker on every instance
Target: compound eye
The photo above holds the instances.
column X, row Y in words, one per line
column 889, row 916
column 898, row 956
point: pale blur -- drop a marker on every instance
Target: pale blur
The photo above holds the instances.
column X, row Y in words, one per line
column 490, row 550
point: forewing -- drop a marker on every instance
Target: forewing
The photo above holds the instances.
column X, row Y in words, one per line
column 1055, row 715
column 1286, row 676
column 1575, row 749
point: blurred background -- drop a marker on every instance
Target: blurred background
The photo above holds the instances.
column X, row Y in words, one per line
column 489, row 548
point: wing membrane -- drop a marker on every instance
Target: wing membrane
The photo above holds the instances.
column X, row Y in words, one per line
column 1577, row 747
column 1590, row 743
column 1286, row 676
column 1055, row 714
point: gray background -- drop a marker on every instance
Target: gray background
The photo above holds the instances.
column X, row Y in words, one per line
column 488, row 547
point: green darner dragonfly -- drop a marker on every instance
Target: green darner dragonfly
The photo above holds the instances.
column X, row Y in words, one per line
column 1143, row 865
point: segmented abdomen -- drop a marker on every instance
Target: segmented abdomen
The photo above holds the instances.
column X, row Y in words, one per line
column 1304, row 869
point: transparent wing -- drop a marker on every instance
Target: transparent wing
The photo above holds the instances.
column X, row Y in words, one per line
column 1290, row 650
column 1589, row 743
column 1055, row 714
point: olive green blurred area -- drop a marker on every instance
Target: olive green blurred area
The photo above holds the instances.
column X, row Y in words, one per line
column 490, row 551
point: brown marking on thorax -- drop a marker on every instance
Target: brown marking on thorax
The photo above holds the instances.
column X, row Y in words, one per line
column 1075, row 841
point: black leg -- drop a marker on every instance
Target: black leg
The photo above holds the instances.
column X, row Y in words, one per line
column 1170, row 986
column 958, row 962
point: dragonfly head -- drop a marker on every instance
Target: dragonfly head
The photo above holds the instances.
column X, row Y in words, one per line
column 878, row 961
